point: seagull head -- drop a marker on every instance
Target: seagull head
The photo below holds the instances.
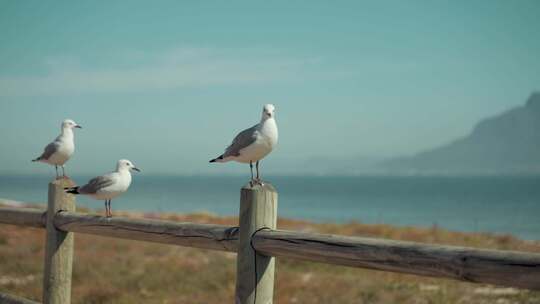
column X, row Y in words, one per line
column 70, row 124
column 125, row 164
column 268, row 111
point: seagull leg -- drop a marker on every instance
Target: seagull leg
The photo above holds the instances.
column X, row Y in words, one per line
column 251, row 170
column 110, row 211
column 63, row 171
column 259, row 181
column 56, row 169
column 106, row 209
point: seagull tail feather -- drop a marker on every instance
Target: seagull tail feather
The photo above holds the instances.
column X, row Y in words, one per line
column 72, row 190
column 217, row 159
column 36, row 159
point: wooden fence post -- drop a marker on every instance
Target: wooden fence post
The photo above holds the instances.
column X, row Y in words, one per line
column 58, row 247
column 255, row 272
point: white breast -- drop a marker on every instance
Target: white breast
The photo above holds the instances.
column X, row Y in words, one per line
column 121, row 185
column 269, row 130
column 267, row 137
column 65, row 151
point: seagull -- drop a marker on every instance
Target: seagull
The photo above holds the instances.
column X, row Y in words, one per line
column 60, row 150
column 108, row 186
column 253, row 144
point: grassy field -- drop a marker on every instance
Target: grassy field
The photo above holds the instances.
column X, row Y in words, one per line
column 108, row 270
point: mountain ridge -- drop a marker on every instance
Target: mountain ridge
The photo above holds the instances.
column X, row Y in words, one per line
column 507, row 143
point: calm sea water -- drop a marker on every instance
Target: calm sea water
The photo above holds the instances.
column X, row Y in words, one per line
column 480, row 204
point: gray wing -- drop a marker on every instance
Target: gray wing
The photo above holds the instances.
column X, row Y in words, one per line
column 96, row 184
column 49, row 150
column 242, row 140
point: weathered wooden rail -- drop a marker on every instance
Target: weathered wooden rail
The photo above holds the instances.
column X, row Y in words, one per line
column 9, row 299
column 257, row 242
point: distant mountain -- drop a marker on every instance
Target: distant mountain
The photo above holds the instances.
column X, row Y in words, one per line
column 505, row 144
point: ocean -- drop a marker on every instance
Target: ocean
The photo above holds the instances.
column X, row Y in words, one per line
column 501, row 205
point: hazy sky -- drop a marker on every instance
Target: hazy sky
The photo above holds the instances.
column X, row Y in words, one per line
column 167, row 84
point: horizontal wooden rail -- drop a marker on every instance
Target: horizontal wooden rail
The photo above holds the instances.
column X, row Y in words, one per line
column 206, row 236
column 9, row 299
column 22, row 216
column 505, row 268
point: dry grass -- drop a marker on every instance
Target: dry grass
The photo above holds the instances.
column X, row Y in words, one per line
column 110, row 270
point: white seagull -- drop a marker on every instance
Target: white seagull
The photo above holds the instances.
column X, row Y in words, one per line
column 253, row 144
column 60, row 150
column 108, row 186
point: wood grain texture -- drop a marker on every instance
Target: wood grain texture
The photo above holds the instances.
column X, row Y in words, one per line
column 505, row 268
column 255, row 271
column 9, row 299
column 58, row 247
column 23, row 217
column 206, row 236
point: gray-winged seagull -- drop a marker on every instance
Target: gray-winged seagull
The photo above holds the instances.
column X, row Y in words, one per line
column 108, row 186
column 60, row 150
column 253, row 144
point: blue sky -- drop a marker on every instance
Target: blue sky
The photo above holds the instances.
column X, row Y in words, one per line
column 167, row 84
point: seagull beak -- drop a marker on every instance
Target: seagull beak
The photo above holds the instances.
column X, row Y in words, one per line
column 136, row 169
column 78, row 127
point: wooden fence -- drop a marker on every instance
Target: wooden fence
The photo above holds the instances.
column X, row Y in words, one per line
column 256, row 242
